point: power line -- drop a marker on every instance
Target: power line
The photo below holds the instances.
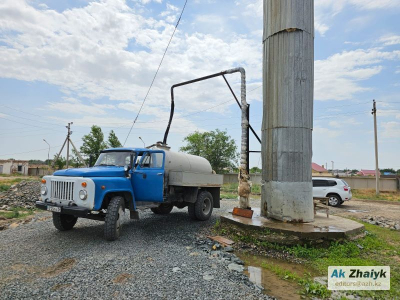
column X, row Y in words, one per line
column 10, row 115
column 1, row 117
column 155, row 75
column 254, row 89
column 29, row 151
column 338, row 106
column 341, row 114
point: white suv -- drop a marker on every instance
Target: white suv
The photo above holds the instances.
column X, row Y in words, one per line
column 337, row 190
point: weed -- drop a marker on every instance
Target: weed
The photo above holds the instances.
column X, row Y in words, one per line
column 16, row 213
column 370, row 194
column 217, row 224
column 4, row 187
column 228, row 196
column 310, row 288
column 379, row 247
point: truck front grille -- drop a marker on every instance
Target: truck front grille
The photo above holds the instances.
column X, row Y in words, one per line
column 62, row 190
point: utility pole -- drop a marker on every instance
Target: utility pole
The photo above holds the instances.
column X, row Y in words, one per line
column 333, row 170
column 67, row 141
column 288, row 87
column 377, row 175
column 68, row 136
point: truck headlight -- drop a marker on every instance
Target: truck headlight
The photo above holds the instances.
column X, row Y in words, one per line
column 43, row 190
column 83, row 194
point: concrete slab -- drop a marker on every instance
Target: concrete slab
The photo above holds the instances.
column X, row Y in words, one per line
column 330, row 228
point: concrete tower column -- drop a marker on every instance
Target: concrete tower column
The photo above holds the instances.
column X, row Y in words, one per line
column 288, row 83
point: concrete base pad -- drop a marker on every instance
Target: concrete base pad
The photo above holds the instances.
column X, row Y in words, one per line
column 325, row 228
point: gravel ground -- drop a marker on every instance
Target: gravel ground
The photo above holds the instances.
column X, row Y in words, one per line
column 155, row 258
column 361, row 209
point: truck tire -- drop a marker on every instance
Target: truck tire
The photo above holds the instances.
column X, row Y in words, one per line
column 64, row 222
column 113, row 224
column 202, row 209
column 162, row 209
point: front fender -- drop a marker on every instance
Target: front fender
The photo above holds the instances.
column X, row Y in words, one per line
column 111, row 184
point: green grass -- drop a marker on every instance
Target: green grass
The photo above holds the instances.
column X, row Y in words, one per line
column 309, row 287
column 4, row 187
column 370, row 194
column 379, row 247
column 232, row 189
column 16, row 213
column 7, row 183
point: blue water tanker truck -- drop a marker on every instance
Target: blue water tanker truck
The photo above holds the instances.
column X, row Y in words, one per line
column 133, row 179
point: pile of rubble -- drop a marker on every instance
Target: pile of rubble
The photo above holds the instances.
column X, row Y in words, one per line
column 382, row 222
column 23, row 194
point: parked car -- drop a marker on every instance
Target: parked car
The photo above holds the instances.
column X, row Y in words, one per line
column 337, row 190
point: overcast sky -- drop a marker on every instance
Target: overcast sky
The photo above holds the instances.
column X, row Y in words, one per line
column 91, row 62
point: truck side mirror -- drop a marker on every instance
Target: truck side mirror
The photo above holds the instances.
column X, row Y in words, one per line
column 126, row 170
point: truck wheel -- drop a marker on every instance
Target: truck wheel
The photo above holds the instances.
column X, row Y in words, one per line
column 64, row 222
column 162, row 209
column 202, row 208
column 113, row 218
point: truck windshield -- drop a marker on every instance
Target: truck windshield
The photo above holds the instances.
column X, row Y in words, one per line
column 117, row 158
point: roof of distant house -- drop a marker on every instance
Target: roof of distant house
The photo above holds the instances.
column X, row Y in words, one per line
column 318, row 168
column 367, row 172
column 14, row 161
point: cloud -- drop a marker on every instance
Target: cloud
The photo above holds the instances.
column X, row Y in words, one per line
column 75, row 106
column 322, row 132
column 148, row 1
column 327, row 10
column 339, row 76
column 390, row 40
column 344, row 122
column 389, row 113
column 391, row 129
column 107, row 50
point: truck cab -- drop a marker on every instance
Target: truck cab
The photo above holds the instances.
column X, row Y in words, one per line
column 131, row 179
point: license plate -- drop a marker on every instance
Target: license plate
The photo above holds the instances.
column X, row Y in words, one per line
column 54, row 208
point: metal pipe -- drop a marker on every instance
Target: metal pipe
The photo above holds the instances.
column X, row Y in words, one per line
column 244, row 184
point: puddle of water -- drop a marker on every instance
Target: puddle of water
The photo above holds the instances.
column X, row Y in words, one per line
column 273, row 285
column 356, row 211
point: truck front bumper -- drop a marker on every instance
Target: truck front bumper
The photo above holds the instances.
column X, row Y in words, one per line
column 67, row 210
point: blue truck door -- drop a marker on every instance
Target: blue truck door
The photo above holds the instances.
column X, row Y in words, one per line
column 148, row 177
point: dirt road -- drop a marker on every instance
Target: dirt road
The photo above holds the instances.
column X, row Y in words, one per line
column 366, row 208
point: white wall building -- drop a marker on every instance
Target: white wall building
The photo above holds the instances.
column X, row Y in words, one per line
column 12, row 166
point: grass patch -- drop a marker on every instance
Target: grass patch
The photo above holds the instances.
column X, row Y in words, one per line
column 379, row 247
column 370, row 194
column 309, row 287
column 4, row 187
column 228, row 196
column 232, row 189
column 16, row 213
column 5, row 184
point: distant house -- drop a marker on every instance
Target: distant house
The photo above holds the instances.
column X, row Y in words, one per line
column 39, row 170
column 367, row 173
column 12, row 166
column 318, row 170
